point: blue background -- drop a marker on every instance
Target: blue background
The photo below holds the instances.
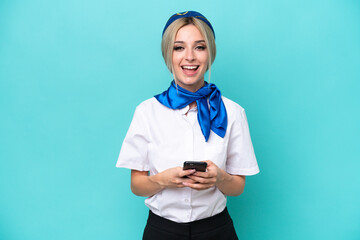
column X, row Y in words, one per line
column 73, row 71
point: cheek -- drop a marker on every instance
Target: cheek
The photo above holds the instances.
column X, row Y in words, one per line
column 175, row 60
column 204, row 58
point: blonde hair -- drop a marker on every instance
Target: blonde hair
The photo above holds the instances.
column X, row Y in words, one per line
column 167, row 43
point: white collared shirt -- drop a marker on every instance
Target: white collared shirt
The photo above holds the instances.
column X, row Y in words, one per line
column 160, row 138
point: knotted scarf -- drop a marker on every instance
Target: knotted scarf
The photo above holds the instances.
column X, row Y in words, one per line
column 211, row 115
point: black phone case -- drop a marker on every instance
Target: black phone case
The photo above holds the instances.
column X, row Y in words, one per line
column 198, row 166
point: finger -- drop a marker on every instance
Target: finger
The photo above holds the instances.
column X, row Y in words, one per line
column 186, row 172
column 209, row 162
column 202, row 180
column 188, row 181
column 208, row 174
column 201, row 174
column 197, row 179
column 181, row 181
column 180, row 185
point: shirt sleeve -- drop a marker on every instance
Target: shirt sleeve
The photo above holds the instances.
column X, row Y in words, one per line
column 134, row 150
column 241, row 158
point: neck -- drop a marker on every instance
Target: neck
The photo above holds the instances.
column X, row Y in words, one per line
column 192, row 105
column 191, row 88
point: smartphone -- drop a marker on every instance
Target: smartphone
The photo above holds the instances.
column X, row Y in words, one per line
column 197, row 165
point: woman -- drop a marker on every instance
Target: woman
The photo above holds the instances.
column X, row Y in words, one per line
column 189, row 121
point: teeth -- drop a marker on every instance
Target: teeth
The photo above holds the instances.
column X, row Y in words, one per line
column 190, row 67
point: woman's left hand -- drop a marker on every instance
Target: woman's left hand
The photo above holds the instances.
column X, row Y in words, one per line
column 208, row 179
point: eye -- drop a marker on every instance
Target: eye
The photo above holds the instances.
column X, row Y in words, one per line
column 178, row 48
column 201, row 48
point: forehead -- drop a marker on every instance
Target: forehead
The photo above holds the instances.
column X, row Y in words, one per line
column 189, row 32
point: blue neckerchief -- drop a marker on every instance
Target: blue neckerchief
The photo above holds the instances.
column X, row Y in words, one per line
column 214, row 118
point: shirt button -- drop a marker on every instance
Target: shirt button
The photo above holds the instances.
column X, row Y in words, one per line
column 186, row 200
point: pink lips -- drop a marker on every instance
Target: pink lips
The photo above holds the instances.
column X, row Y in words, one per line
column 189, row 72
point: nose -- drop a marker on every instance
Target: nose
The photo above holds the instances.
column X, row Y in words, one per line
column 190, row 55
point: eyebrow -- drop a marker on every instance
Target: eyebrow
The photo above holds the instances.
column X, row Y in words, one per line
column 199, row 41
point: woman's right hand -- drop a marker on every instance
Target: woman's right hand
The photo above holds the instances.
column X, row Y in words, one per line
column 144, row 185
column 173, row 177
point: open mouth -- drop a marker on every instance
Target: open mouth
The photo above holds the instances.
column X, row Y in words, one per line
column 190, row 70
column 194, row 68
